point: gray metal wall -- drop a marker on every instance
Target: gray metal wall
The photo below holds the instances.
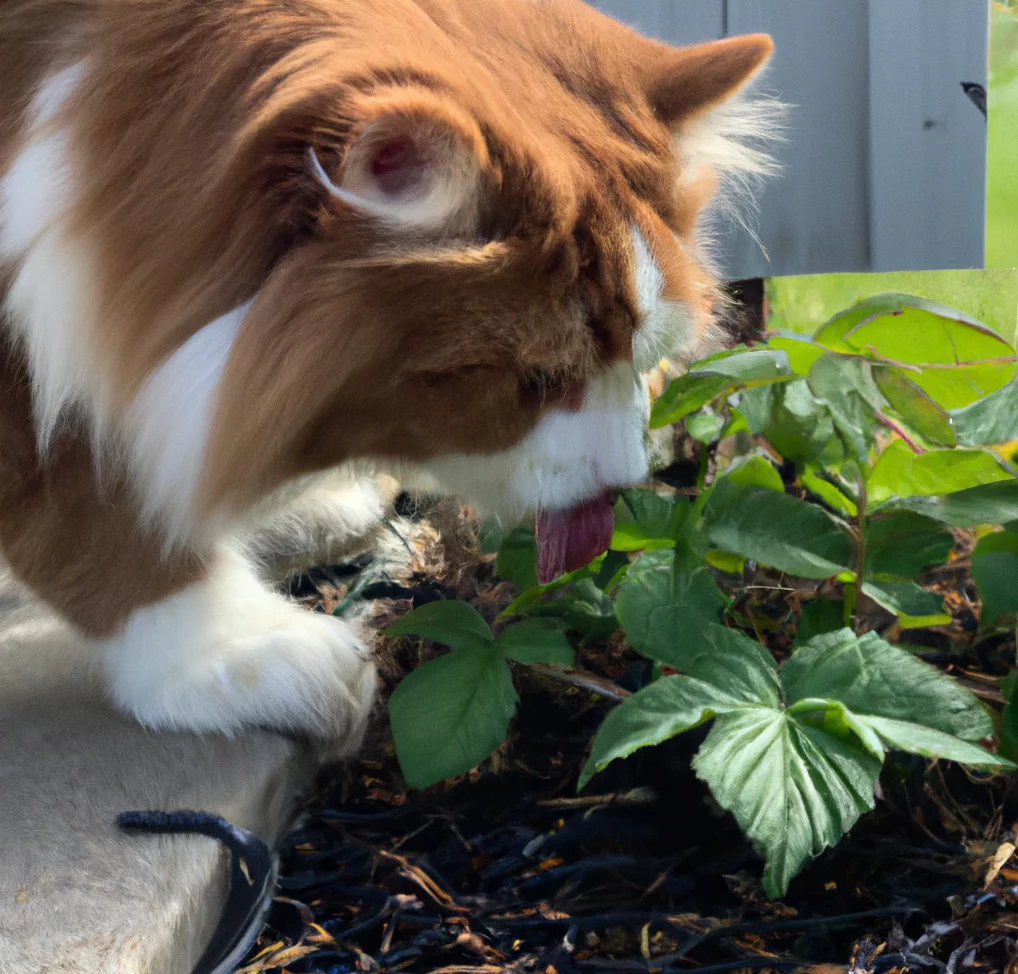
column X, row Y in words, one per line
column 885, row 168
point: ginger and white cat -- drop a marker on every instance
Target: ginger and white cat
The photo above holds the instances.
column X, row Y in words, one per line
column 248, row 244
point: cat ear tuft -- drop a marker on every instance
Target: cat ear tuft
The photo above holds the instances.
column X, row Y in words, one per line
column 414, row 163
column 695, row 79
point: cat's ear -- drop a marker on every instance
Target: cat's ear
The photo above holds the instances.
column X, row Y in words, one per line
column 415, row 161
column 694, row 79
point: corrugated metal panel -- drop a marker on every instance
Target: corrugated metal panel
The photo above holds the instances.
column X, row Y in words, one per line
column 869, row 183
column 927, row 140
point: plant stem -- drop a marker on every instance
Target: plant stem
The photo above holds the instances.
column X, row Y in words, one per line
column 583, row 680
column 701, row 473
column 848, row 603
column 860, row 568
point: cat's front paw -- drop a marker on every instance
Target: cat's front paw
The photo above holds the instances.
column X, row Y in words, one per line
column 228, row 654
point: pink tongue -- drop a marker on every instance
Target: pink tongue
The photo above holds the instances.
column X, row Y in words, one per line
column 567, row 540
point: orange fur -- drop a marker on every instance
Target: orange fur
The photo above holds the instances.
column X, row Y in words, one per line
column 188, row 141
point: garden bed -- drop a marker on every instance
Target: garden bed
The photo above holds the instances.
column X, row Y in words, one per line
column 507, row 868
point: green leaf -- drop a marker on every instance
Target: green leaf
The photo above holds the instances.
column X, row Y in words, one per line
column 643, row 520
column 827, row 492
column 873, row 678
column 1009, row 687
column 915, row 607
column 719, row 375
column 667, row 707
column 590, row 611
column 958, row 359
column 585, row 608
column 819, row 616
column 746, row 365
column 777, row 530
column 995, row 503
column 667, row 608
column 845, row 385
column 915, row 408
column 755, row 470
column 793, row 788
column 903, row 543
column 899, row 472
column 990, row 420
column 995, row 572
column 801, row 352
column 705, row 425
column 451, row 713
column 517, row 558
column 1009, row 717
column 724, row 562
column 454, row 623
column 731, row 661
column 534, row 641
column 907, row 736
column 532, row 598
column 794, row 421
column 728, row 671
column 685, row 395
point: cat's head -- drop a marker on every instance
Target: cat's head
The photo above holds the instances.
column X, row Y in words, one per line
column 484, row 220
column 503, row 234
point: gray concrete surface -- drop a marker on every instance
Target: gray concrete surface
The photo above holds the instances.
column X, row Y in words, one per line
column 77, row 895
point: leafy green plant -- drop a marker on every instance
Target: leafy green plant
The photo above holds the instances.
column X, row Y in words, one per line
column 850, row 455
column 452, row 712
column 795, row 751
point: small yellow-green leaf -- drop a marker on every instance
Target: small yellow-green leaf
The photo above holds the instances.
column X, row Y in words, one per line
column 899, row 472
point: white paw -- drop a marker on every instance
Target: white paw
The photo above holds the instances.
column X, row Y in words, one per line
column 228, row 653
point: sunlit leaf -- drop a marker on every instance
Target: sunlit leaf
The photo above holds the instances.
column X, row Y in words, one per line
column 990, row 420
column 755, row 470
column 903, row 735
column 801, row 352
column 728, row 670
column 917, row 411
column 685, row 395
column 643, row 520
column 705, row 425
column 873, row 678
column 659, row 711
column 793, row 788
column 995, row 503
column 957, row 358
column 899, row 472
column 827, row 492
column 719, row 375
